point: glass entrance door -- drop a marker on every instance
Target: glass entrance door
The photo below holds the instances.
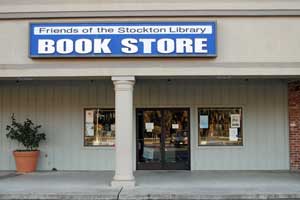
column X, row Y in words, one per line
column 163, row 139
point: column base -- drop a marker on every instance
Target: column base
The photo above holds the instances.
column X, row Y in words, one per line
column 126, row 184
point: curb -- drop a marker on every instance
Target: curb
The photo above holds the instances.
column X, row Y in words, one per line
column 140, row 196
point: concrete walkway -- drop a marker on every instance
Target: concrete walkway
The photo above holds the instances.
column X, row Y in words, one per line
column 153, row 185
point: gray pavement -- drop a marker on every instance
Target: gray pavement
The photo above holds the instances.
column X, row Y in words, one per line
column 152, row 185
column 7, row 174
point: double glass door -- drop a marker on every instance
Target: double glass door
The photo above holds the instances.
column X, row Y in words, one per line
column 163, row 139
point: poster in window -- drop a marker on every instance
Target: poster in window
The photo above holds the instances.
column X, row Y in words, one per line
column 89, row 116
column 149, row 126
column 233, row 134
column 203, row 121
column 175, row 126
column 235, row 120
column 112, row 127
column 89, row 127
column 148, row 153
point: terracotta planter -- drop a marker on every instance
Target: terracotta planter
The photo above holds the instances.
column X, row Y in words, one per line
column 26, row 161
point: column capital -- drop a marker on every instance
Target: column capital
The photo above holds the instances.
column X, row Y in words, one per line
column 123, row 82
column 123, row 78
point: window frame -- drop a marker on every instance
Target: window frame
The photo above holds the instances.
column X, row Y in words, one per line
column 83, row 128
column 242, row 145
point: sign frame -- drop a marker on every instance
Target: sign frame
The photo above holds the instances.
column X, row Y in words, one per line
column 102, row 56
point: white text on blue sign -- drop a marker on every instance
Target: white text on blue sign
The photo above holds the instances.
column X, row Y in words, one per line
column 117, row 40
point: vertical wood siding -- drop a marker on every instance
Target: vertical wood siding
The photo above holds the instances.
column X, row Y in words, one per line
column 58, row 106
column 264, row 104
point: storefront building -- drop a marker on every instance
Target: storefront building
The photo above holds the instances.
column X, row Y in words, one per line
column 186, row 102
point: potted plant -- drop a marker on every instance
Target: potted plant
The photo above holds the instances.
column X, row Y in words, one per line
column 29, row 136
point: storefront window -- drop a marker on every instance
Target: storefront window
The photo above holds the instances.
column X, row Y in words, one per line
column 99, row 127
column 220, row 126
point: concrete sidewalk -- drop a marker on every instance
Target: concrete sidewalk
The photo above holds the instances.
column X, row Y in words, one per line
column 154, row 185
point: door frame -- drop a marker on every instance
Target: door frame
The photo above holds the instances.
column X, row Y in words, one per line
column 161, row 108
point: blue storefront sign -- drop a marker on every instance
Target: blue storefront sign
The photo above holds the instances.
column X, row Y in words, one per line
column 155, row 39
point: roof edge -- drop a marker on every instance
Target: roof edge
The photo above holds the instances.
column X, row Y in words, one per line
column 152, row 13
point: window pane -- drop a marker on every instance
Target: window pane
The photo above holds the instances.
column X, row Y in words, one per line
column 220, row 126
column 99, row 127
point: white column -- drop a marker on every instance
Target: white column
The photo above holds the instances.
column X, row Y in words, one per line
column 124, row 131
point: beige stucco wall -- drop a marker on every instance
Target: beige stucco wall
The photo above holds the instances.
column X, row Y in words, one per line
column 249, row 46
column 104, row 5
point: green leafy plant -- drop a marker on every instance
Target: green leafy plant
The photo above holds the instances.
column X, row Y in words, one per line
column 26, row 134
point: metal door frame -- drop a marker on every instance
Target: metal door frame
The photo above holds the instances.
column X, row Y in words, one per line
column 162, row 165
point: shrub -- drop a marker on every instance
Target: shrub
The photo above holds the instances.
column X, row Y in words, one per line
column 26, row 134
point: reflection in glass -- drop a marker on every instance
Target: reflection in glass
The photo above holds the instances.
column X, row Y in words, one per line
column 99, row 127
column 163, row 138
column 220, row 126
column 150, row 137
column 176, row 136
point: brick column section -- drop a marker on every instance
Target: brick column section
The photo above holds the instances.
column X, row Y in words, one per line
column 294, row 124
